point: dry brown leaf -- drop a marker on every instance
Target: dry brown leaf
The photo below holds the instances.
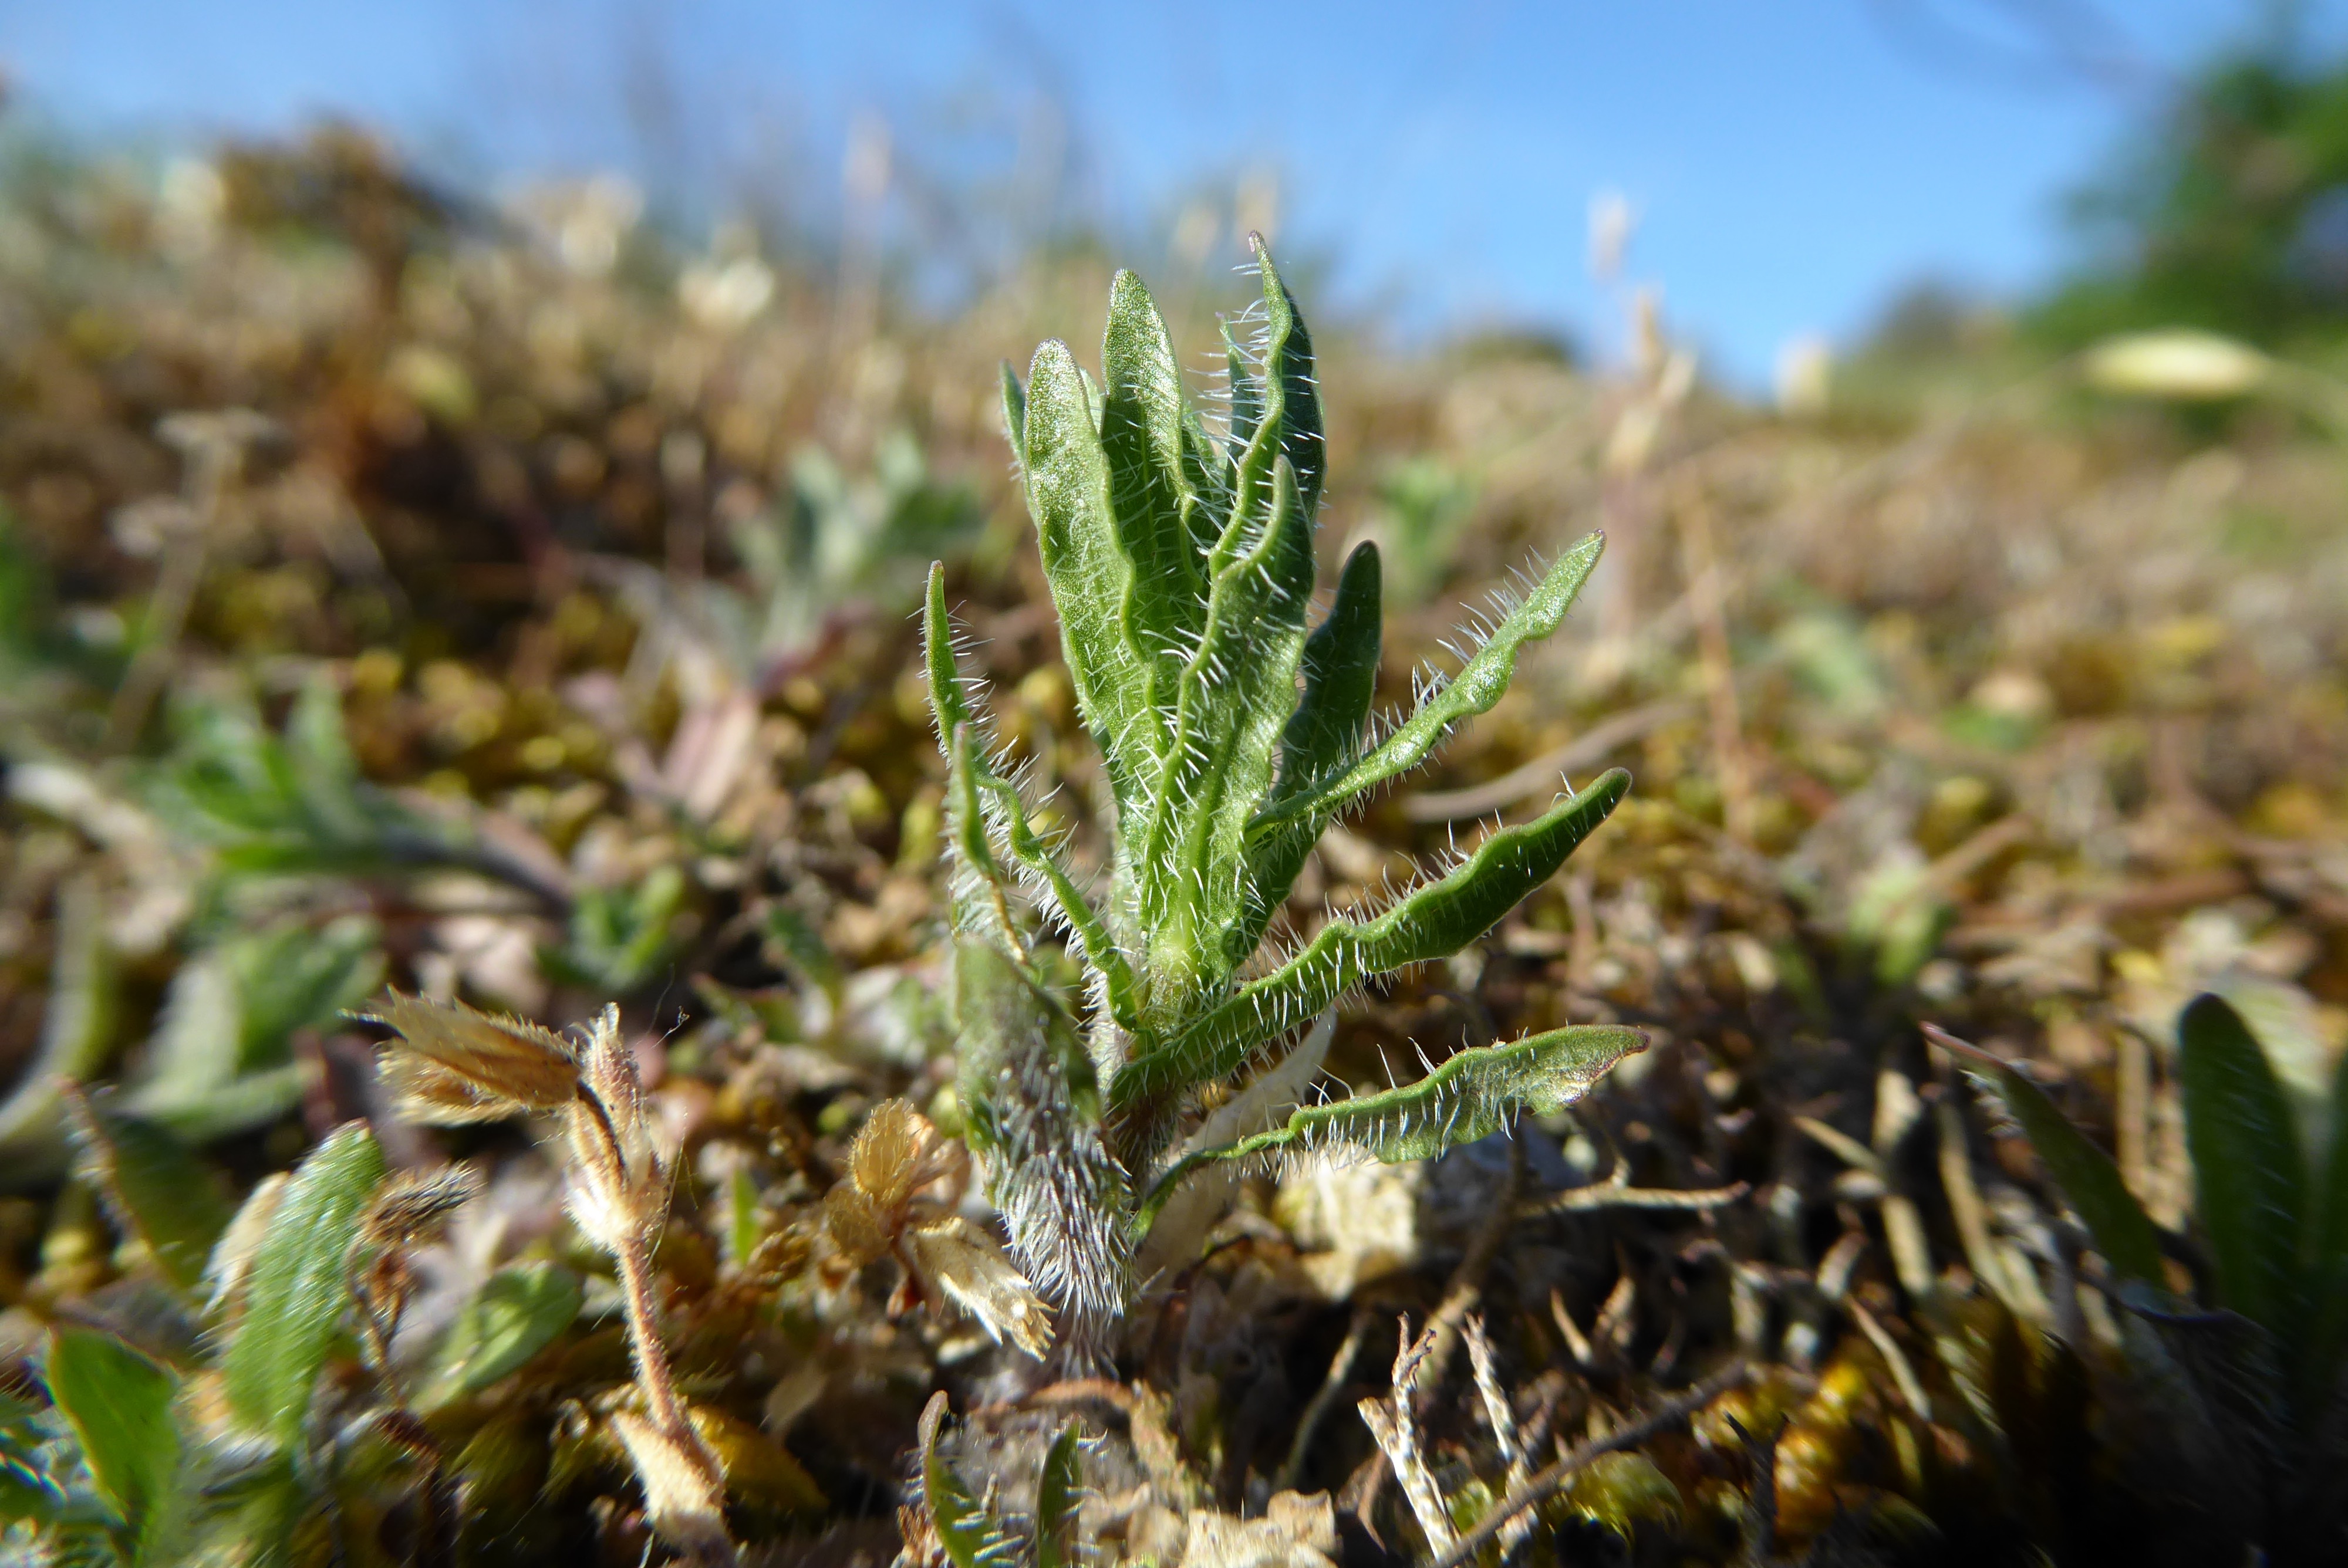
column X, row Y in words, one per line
column 976, row 1275
column 452, row 1065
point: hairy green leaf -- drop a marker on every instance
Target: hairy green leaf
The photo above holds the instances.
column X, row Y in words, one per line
column 972, row 1537
column 119, row 1405
column 1141, row 436
column 1433, row 922
column 1289, row 370
column 157, row 1189
column 1324, row 735
column 981, row 800
column 1469, row 1095
column 1014, row 410
column 1340, row 676
column 2248, row 1178
column 1246, row 392
column 1478, row 684
column 1236, row 696
column 296, row 1290
column 1055, row 1499
column 517, row 1312
column 1041, row 862
column 1089, row 571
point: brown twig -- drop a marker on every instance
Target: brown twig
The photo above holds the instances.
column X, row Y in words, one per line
column 1545, row 1481
column 1612, row 1194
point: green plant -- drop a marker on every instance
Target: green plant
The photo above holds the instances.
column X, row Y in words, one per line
column 452, row 1066
column 220, row 1059
column 251, row 1409
column 1180, row 560
column 969, row 1531
column 1423, row 504
column 833, row 544
column 294, row 804
column 124, row 1466
column 2263, row 1373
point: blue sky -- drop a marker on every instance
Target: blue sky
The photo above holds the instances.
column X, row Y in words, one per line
column 1793, row 162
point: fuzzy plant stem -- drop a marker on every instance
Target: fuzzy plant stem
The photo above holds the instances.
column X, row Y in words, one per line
column 454, row 1066
column 634, row 1266
column 620, row 1199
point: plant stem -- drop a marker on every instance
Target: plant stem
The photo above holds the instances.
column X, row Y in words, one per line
column 644, row 1335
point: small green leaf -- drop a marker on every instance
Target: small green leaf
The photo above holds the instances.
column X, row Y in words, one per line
column 1209, row 477
column 802, row 948
column 1323, row 737
column 983, row 801
column 321, row 766
column 296, row 1289
column 295, row 976
column 1469, row 1095
column 157, row 1190
column 621, row 937
column 1090, row 574
column 950, row 696
column 1340, row 676
column 290, row 802
column 971, row 1536
column 1479, row 683
column 1287, row 364
column 2247, row 1171
column 119, row 1405
column 222, row 1059
column 1003, row 808
column 1055, row 1499
column 2123, row 1232
column 518, row 1313
column 261, row 1516
column 1434, row 922
column 1141, row 436
column 744, row 1225
column 1246, row 390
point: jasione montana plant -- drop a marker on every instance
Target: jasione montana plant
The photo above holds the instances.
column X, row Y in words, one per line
column 1180, row 557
